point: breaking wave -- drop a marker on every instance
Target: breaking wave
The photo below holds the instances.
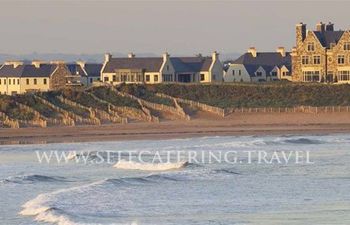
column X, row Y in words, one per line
column 130, row 165
column 32, row 179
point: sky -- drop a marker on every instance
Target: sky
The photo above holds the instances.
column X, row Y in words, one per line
column 179, row 27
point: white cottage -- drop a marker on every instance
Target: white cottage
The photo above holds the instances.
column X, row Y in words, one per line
column 256, row 66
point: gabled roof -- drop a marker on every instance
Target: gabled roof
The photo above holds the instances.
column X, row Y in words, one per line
column 76, row 69
column 45, row 70
column 93, row 69
column 328, row 37
column 148, row 64
column 191, row 64
column 267, row 60
column 264, row 58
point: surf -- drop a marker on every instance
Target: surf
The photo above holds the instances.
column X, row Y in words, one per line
column 130, row 165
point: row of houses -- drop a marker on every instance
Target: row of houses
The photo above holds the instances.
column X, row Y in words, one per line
column 322, row 55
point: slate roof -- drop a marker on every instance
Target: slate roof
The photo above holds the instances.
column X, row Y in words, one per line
column 267, row 60
column 191, row 64
column 153, row 64
column 328, row 37
column 76, row 69
column 148, row 64
column 93, row 69
column 45, row 70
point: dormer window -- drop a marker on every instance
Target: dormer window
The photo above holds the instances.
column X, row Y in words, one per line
column 259, row 74
column 347, row 46
column 310, row 46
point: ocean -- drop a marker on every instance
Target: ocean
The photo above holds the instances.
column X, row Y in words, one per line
column 90, row 188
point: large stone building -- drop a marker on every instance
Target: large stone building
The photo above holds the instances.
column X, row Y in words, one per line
column 256, row 66
column 154, row 70
column 322, row 55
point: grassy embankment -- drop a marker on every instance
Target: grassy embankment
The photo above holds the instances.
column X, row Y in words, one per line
column 220, row 95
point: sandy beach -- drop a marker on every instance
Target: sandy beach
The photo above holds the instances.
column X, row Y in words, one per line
column 201, row 125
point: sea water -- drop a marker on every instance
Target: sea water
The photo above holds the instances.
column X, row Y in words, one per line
column 317, row 192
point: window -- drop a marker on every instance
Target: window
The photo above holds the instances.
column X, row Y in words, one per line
column 91, row 80
column 0, row 81
column 105, row 79
column 167, row 67
column 239, row 72
column 18, row 81
column 233, row 72
column 310, row 47
column 4, row 81
column 35, row 81
column 14, row 81
column 155, row 78
column 285, row 73
column 347, row 46
column 203, row 76
column 304, row 59
column 214, row 77
column 274, row 73
column 317, row 59
column 27, row 81
column 167, row 77
column 45, row 81
column 311, row 76
column 147, row 78
column 9, row 81
column 343, row 75
column 114, row 78
column 259, row 74
column 341, row 59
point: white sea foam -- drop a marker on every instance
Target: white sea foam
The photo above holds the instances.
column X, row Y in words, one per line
column 130, row 165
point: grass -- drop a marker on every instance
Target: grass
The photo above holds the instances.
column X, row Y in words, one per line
column 146, row 92
column 117, row 100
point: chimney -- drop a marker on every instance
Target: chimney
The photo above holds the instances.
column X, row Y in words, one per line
column 108, row 57
column 300, row 29
column 282, row 51
column 165, row 56
column 320, row 27
column 330, row 27
column 252, row 50
column 131, row 55
column 15, row 64
column 57, row 62
column 37, row 63
column 214, row 56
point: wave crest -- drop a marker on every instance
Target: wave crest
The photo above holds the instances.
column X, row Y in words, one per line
column 130, row 165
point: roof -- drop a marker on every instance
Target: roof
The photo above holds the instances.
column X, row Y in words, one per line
column 148, row 64
column 328, row 37
column 267, row 60
column 93, row 69
column 191, row 64
column 75, row 69
column 45, row 70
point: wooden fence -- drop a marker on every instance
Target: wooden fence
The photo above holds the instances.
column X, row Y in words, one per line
column 12, row 123
column 201, row 106
column 302, row 109
column 160, row 107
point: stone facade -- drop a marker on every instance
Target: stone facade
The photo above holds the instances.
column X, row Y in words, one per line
column 322, row 55
column 58, row 77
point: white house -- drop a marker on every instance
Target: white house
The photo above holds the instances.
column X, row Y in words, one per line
column 256, row 66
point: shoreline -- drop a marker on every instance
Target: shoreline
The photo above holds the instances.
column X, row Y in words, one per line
column 238, row 124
